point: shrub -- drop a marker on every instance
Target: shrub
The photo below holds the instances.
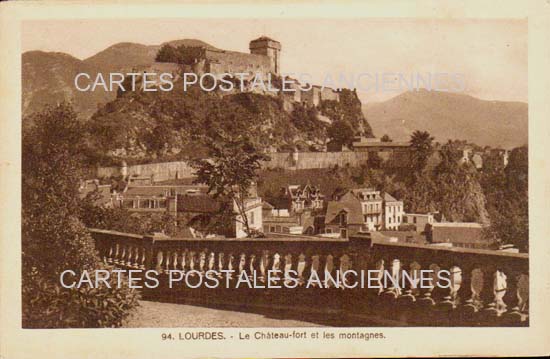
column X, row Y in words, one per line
column 47, row 304
column 54, row 238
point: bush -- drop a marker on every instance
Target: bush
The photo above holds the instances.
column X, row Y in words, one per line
column 54, row 239
column 47, row 304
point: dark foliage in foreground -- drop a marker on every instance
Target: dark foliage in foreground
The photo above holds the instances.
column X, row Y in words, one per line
column 53, row 237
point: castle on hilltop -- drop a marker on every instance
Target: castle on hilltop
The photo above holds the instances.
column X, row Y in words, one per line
column 264, row 58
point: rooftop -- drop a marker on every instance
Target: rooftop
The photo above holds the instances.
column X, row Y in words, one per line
column 458, row 225
column 161, row 191
column 389, row 198
column 352, row 208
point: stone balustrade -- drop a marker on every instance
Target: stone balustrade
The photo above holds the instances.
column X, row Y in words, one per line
column 487, row 288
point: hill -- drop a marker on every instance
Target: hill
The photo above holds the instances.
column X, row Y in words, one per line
column 126, row 56
column 48, row 77
column 450, row 116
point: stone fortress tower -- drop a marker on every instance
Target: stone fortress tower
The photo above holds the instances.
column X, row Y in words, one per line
column 270, row 48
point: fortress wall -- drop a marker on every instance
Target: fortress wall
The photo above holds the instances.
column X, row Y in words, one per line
column 287, row 160
column 160, row 171
column 309, row 160
column 232, row 61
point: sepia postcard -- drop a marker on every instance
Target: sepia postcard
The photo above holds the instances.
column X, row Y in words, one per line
column 274, row 180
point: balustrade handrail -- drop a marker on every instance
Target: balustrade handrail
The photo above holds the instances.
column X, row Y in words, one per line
column 488, row 287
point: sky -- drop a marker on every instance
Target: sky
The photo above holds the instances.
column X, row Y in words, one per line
column 490, row 55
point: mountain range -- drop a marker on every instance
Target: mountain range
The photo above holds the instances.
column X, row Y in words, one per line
column 48, row 78
column 450, row 116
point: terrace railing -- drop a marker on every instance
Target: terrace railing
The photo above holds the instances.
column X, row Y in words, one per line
column 487, row 288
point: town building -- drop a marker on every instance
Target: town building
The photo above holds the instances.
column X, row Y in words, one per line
column 459, row 234
column 393, row 154
column 393, row 212
column 419, row 220
column 299, row 198
column 370, row 205
column 189, row 204
column 344, row 217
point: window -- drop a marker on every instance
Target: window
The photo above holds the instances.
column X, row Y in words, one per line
column 251, row 217
column 389, row 219
column 414, row 220
column 343, row 218
column 328, row 230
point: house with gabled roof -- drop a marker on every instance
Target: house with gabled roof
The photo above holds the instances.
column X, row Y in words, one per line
column 298, row 198
column 344, row 217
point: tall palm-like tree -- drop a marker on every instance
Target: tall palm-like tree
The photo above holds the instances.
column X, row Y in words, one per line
column 422, row 148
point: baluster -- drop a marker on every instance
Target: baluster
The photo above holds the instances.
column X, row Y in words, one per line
column 474, row 303
column 175, row 260
column 167, row 261
column 211, row 261
column 379, row 268
column 263, row 265
column 392, row 284
column 130, row 256
column 202, row 261
column 185, row 260
column 301, row 268
column 137, row 259
column 230, row 265
column 329, row 268
column 220, row 262
column 160, row 257
column 143, row 260
column 489, row 294
column 456, row 283
column 191, row 261
column 123, row 255
column 426, row 299
column 411, row 280
column 110, row 255
column 276, row 267
column 287, row 268
column 252, row 266
column 242, row 263
column 117, row 250
column 345, row 265
column 314, row 270
column 499, row 287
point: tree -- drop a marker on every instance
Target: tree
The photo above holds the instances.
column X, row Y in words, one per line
column 53, row 237
column 230, row 171
column 422, row 147
column 341, row 133
column 386, row 138
column 167, row 53
column 506, row 190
